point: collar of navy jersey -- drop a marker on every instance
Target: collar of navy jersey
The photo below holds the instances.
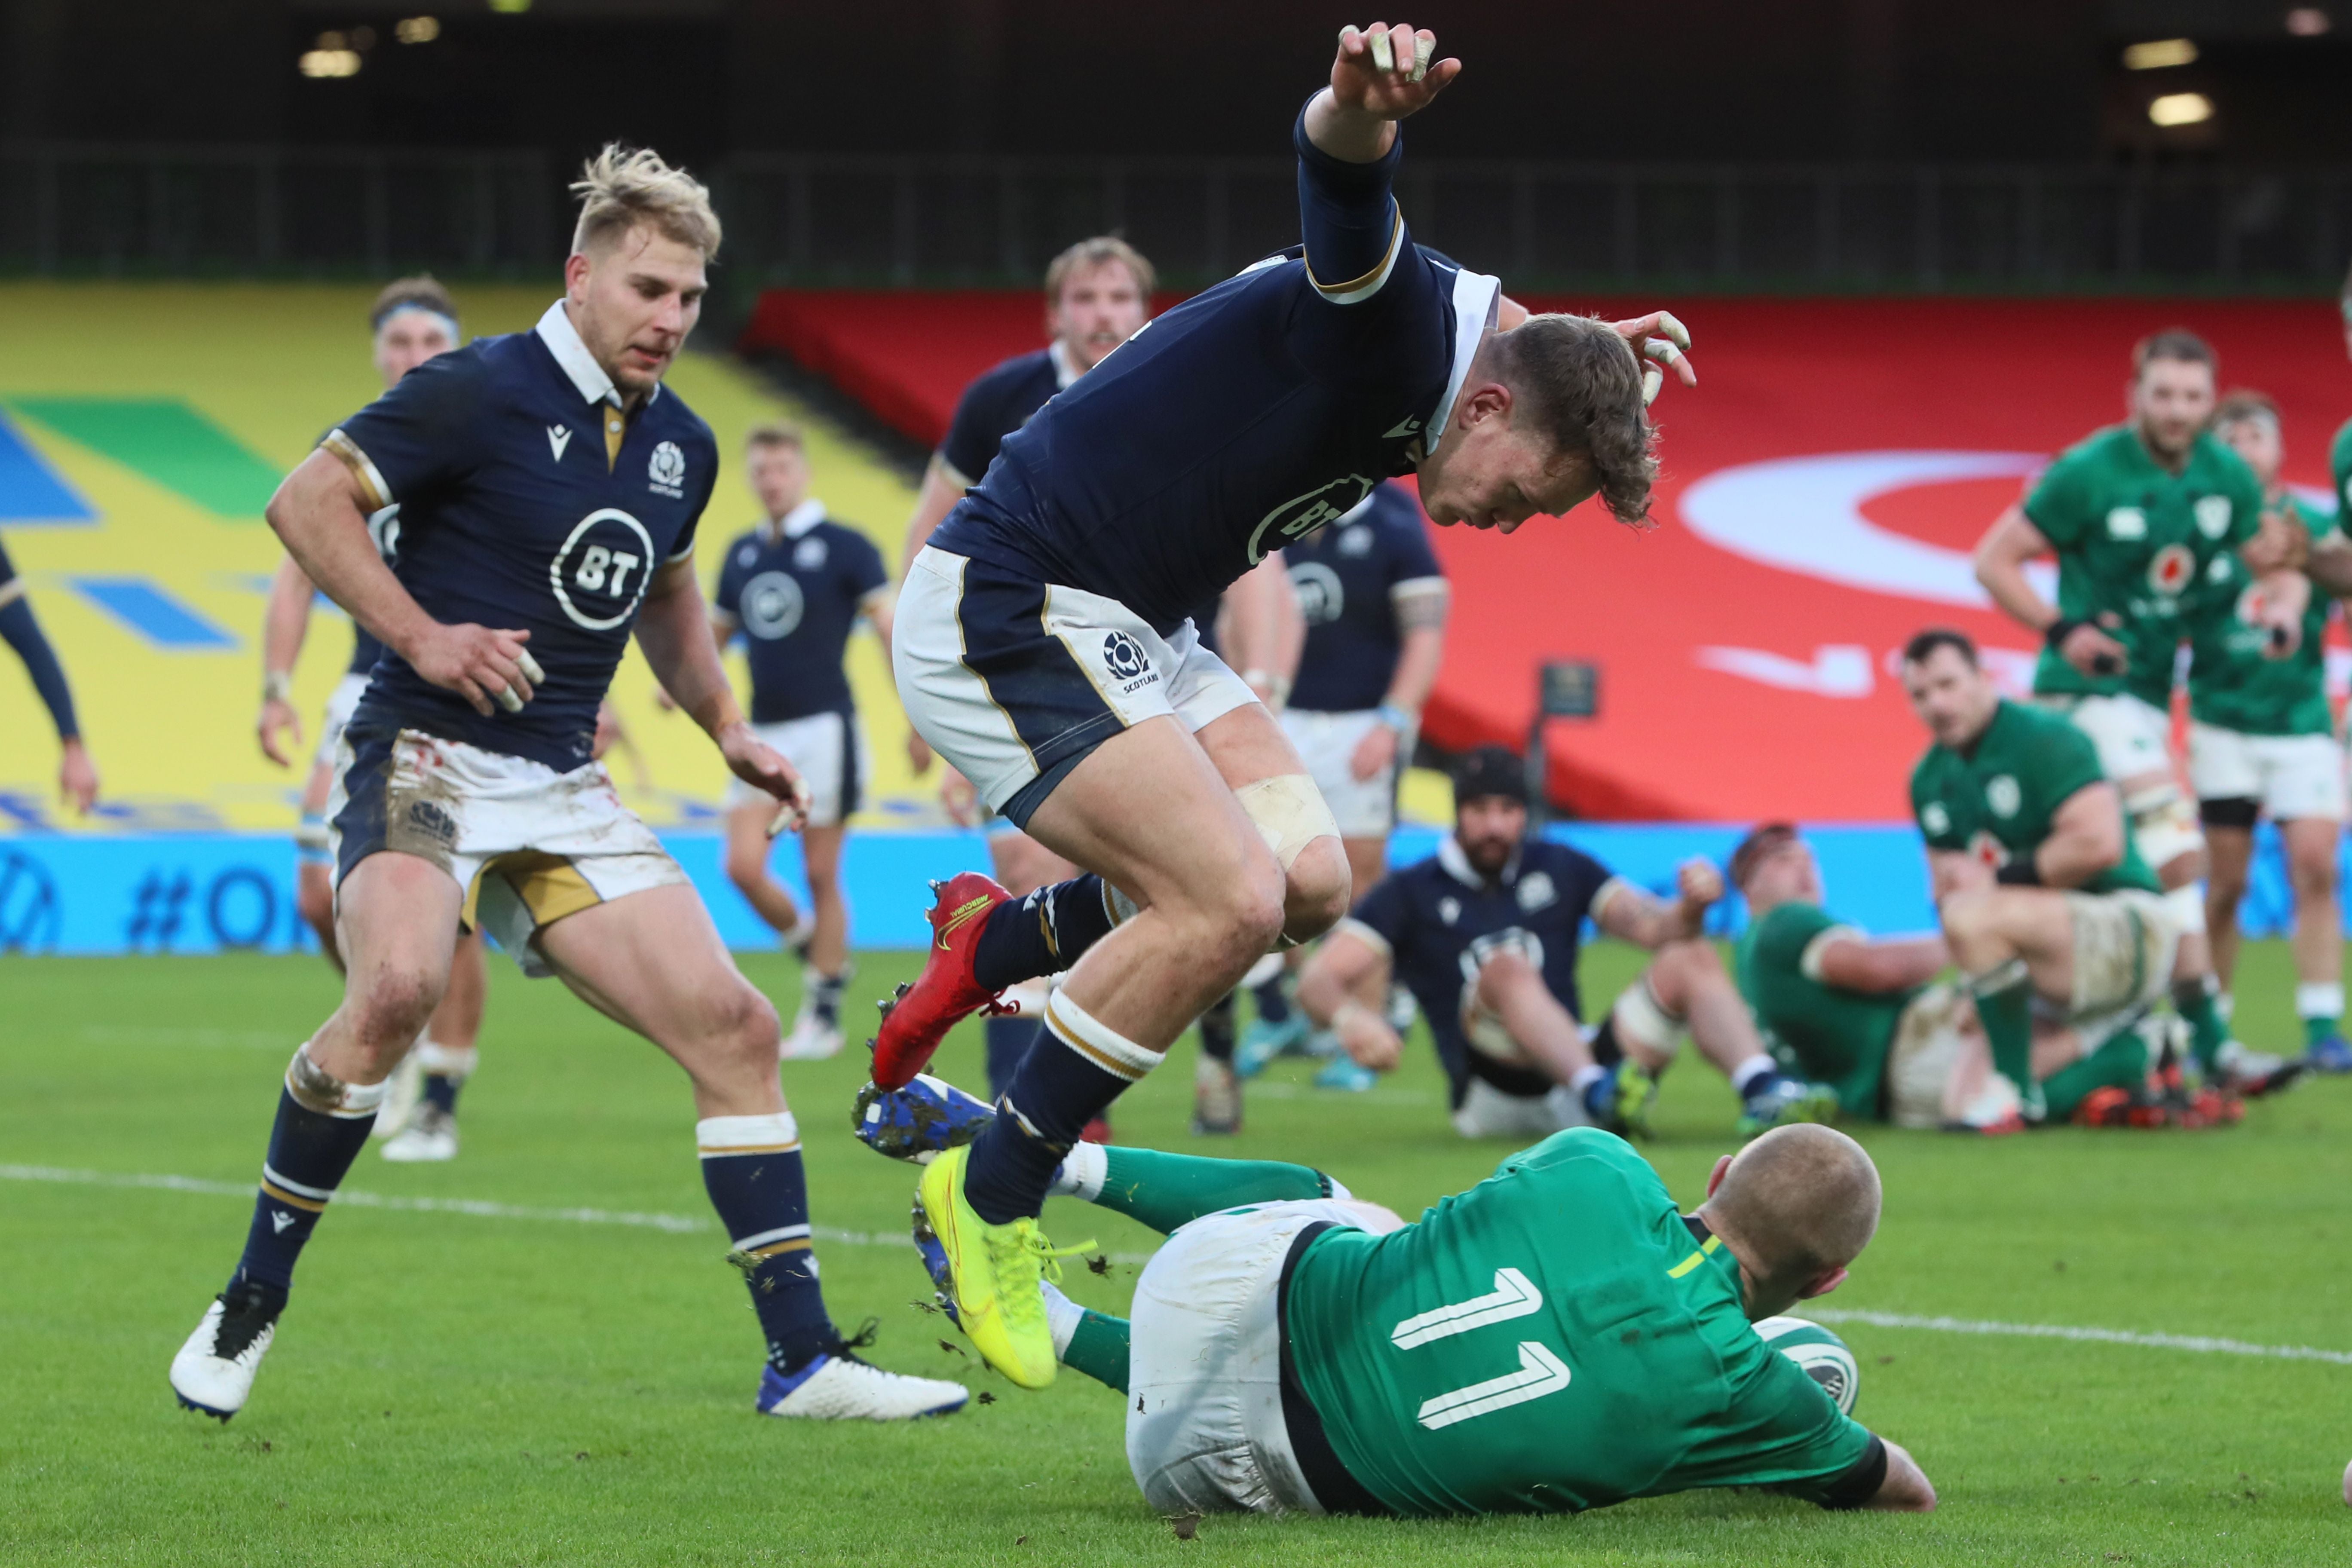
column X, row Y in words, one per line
column 793, row 523
column 1476, row 299
column 562, row 339
column 1456, row 864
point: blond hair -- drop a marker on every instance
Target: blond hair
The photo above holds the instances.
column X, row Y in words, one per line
column 1099, row 251
column 621, row 188
column 775, row 433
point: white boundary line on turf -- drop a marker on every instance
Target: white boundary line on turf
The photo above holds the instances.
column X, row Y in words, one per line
column 2202, row 1344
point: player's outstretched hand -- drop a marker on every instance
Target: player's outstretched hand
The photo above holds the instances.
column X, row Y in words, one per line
column 1663, row 340
column 919, row 753
column 1367, row 1037
column 486, row 667
column 762, row 767
column 1698, row 881
column 1387, row 73
column 2093, row 651
column 278, row 719
column 78, row 777
column 959, row 799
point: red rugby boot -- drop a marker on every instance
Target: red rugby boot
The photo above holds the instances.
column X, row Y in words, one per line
column 916, row 1020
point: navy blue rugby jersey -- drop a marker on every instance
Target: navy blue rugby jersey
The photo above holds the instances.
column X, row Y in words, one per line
column 1000, row 401
column 1440, row 920
column 794, row 590
column 1347, row 576
column 383, row 527
column 529, row 502
column 1243, row 419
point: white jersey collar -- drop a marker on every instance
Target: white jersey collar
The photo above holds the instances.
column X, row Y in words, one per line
column 1456, row 864
column 562, row 339
column 793, row 523
column 1065, row 369
column 1475, row 299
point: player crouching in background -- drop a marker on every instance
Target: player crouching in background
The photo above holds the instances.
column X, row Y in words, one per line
column 1486, row 933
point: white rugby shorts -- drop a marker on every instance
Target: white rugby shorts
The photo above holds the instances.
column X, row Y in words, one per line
column 2133, row 737
column 340, row 703
column 1204, row 1427
column 529, row 845
column 1364, row 808
column 829, row 751
column 1015, row 681
column 2292, row 776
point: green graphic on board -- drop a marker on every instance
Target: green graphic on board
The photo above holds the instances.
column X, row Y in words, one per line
column 168, row 442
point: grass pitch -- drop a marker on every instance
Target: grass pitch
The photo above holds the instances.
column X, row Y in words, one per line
column 488, row 1387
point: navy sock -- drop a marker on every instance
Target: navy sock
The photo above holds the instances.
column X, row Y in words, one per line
column 308, row 1152
column 1273, row 1006
column 824, row 995
column 1217, row 1029
column 441, row 1090
column 1042, row 934
column 752, row 1169
column 1076, row 1069
column 1008, row 1041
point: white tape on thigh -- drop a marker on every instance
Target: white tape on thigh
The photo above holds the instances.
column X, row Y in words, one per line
column 1290, row 815
column 2163, row 823
column 2187, row 906
column 1641, row 1020
column 315, row 1088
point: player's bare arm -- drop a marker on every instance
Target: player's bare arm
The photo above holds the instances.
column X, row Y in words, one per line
column 1264, row 629
column 2000, row 559
column 2086, row 838
column 284, row 623
column 1631, row 915
column 2284, row 595
column 1857, row 963
column 674, row 627
column 1906, row 1488
column 1344, row 969
column 1420, row 611
column 2330, row 565
column 1381, row 75
column 320, row 513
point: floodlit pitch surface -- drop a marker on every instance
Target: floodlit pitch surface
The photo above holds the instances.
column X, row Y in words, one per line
column 454, row 1386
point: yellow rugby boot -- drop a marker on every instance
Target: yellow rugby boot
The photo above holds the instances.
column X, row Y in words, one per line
column 994, row 1272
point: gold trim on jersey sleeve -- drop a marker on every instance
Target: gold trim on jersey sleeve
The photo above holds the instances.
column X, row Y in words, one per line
column 364, row 468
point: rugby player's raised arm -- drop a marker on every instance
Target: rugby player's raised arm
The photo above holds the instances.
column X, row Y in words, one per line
column 1347, row 143
column 320, row 512
column 2000, row 558
column 1630, row 914
column 675, row 628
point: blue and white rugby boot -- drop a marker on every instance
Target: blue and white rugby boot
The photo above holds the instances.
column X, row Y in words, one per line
column 1779, row 1100
column 1342, row 1073
column 839, row 1387
column 921, row 1122
column 1261, row 1041
column 2331, row 1055
column 214, row 1372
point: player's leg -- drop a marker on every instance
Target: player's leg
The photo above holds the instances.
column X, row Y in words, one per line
column 653, row 961
column 747, row 852
column 1022, row 865
column 1686, row 988
column 1216, row 1088
column 2230, row 853
column 314, row 866
column 2010, row 943
column 826, row 974
column 1165, row 1191
column 1509, row 991
column 396, row 915
column 444, row 1059
column 2306, row 798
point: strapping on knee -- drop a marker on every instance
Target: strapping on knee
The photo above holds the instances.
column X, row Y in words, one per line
column 2164, row 823
column 315, row 1088
column 1639, row 1019
column 1291, row 814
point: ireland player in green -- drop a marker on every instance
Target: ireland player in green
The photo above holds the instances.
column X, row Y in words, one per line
column 2263, row 741
column 2137, row 515
column 1561, row 1337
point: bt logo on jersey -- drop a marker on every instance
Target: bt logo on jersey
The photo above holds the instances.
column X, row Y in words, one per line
column 600, row 574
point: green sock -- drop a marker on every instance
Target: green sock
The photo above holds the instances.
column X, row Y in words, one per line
column 1099, row 1349
column 2120, row 1064
column 2005, row 1006
column 2193, row 1000
column 1165, row 1191
column 2318, row 1032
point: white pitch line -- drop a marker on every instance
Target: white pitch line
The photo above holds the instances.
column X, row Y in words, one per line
column 2204, row 1344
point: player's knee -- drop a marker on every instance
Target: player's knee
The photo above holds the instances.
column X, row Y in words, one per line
column 1683, row 969
column 390, row 1007
column 1970, row 918
column 747, row 867
column 2311, row 868
column 1506, row 973
column 742, row 1026
column 1318, row 889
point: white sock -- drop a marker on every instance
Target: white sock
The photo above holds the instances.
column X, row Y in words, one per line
column 1745, row 1075
column 2322, row 1000
column 1062, row 1315
column 1084, row 1169
column 456, row 1062
column 2225, row 1006
column 1586, row 1076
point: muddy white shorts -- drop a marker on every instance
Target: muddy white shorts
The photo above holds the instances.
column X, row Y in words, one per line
column 2124, row 947
column 2290, row 776
column 829, row 751
column 1326, row 743
column 1015, row 681
column 529, row 845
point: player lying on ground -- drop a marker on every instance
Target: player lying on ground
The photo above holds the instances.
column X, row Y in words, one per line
column 21, row 630
column 1557, row 1338
column 1484, row 934
column 1867, row 1018
column 2137, row 515
column 413, row 320
column 1043, row 647
column 1098, row 295
column 550, row 486
column 2261, row 740
column 2041, row 891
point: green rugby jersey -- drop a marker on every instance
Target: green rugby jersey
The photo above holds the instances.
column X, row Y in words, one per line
column 2339, row 467
column 1554, row 1339
column 2230, row 683
column 2133, row 540
column 1996, row 801
column 1820, row 1032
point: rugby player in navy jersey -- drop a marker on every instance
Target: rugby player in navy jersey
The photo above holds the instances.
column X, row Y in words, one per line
column 1484, row 934
column 1043, row 647
column 1098, row 295
column 549, row 488
column 21, row 630
column 412, row 320
column 795, row 588
column 1374, row 599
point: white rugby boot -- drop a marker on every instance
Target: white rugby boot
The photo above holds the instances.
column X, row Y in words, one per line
column 840, row 1387
column 812, row 1039
column 214, row 1372
column 431, row 1136
column 404, row 1091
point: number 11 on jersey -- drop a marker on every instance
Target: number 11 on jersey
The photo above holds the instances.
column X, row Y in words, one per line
column 1541, row 1372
